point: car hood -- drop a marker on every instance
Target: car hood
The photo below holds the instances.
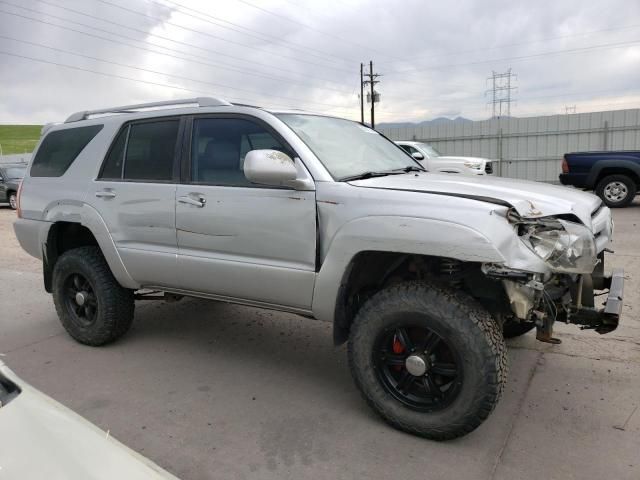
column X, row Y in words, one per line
column 529, row 199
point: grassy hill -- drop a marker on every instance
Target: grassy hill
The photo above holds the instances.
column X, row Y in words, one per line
column 19, row 138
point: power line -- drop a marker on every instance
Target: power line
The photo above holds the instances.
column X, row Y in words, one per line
column 123, row 77
column 252, row 33
column 518, row 44
column 217, row 37
column 180, row 77
column 222, row 65
column 520, row 57
column 310, row 27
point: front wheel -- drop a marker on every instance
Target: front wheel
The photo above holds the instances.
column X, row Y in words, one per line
column 429, row 361
column 92, row 306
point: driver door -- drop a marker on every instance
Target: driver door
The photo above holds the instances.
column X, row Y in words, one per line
column 237, row 239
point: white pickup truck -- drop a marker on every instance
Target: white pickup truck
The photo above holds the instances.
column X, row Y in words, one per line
column 433, row 161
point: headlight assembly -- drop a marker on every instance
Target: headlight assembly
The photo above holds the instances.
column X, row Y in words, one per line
column 566, row 246
column 473, row 165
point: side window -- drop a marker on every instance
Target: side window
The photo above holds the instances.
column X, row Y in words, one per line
column 218, row 148
column 112, row 169
column 151, row 149
column 406, row 148
column 60, row 148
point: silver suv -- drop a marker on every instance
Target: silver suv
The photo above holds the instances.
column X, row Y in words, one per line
column 424, row 274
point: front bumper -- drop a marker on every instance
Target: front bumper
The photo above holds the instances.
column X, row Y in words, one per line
column 604, row 319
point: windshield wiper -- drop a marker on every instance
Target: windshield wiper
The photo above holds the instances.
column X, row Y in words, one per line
column 410, row 168
column 365, row 175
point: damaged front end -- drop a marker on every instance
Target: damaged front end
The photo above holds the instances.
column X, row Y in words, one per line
column 574, row 281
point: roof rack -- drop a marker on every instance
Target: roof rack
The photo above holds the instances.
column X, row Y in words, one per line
column 200, row 101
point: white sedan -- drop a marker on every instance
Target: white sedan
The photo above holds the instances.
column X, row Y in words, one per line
column 433, row 161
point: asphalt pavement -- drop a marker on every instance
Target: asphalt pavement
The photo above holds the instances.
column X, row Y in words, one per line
column 215, row 391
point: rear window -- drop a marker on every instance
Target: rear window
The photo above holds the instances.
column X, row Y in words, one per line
column 60, row 148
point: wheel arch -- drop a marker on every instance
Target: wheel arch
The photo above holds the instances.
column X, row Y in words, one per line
column 79, row 226
column 374, row 246
column 605, row 168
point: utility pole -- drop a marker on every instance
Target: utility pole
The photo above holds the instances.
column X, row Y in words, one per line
column 569, row 109
column 362, row 93
column 372, row 96
column 501, row 92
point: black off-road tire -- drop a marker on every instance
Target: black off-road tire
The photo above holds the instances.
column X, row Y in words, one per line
column 512, row 329
column 457, row 319
column 629, row 184
column 115, row 304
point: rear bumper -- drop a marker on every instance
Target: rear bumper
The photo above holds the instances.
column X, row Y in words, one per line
column 604, row 319
column 564, row 179
column 32, row 235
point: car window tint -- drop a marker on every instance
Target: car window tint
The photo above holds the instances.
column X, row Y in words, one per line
column 112, row 168
column 219, row 146
column 60, row 148
column 151, row 151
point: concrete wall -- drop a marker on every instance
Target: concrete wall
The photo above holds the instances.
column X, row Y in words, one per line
column 530, row 148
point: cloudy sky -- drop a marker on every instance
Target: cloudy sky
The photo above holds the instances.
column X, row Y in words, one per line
column 60, row 56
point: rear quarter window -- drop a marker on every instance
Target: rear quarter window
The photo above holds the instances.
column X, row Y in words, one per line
column 60, row 148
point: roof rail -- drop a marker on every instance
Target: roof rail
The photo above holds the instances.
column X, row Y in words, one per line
column 200, row 101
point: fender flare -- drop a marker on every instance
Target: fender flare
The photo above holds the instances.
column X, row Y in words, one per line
column 87, row 216
column 600, row 165
column 399, row 235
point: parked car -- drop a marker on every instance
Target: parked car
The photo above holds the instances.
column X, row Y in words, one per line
column 615, row 176
column 323, row 217
column 10, row 178
column 43, row 439
column 434, row 161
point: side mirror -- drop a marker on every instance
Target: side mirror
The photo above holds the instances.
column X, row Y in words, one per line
column 269, row 167
column 417, row 156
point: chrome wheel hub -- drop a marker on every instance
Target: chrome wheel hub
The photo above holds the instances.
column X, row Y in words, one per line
column 81, row 298
column 615, row 191
column 416, row 365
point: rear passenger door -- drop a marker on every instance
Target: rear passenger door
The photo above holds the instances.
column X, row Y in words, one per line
column 237, row 239
column 135, row 195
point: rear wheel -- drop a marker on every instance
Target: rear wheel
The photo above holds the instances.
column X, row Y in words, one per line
column 429, row 361
column 92, row 306
column 13, row 200
column 616, row 190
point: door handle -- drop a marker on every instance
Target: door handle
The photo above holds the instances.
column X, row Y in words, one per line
column 105, row 194
column 200, row 202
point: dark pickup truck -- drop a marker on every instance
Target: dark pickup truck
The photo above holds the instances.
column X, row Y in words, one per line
column 10, row 178
column 615, row 176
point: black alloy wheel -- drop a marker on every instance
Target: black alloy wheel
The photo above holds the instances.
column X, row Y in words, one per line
column 418, row 368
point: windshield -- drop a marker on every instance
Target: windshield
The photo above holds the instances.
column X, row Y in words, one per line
column 346, row 148
column 429, row 150
column 14, row 172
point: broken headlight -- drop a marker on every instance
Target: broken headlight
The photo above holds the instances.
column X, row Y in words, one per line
column 566, row 246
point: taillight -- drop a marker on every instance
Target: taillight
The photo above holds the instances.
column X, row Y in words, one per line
column 565, row 166
column 18, row 209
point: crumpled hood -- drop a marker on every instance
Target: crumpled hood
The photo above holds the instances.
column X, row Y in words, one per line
column 529, row 199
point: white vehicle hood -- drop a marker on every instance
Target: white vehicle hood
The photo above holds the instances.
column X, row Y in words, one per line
column 529, row 199
column 43, row 439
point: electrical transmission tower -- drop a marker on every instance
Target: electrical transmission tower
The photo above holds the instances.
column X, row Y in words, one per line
column 373, row 97
column 501, row 92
